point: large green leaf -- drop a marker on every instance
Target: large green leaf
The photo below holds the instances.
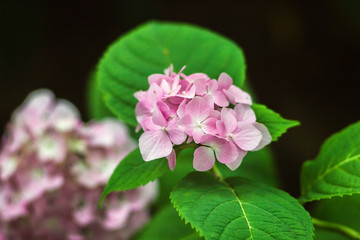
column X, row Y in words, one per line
column 341, row 210
column 239, row 208
column 258, row 166
column 336, row 170
column 166, row 225
column 95, row 100
column 276, row 125
column 133, row 172
column 151, row 48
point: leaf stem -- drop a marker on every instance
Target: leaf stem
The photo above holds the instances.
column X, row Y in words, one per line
column 335, row 227
column 216, row 172
column 181, row 147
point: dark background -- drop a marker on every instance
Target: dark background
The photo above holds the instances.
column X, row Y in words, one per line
column 302, row 56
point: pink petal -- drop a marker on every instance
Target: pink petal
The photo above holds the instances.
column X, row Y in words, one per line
column 209, row 126
column 266, row 137
column 148, row 124
column 64, row 117
column 198, row 108
column 142, row 110
column 188, row 93
column 154, row 145
column 197, row 134
column 197, row 76
column 154, row 94
column 169, row 71
column 165, row 86
column 244, row 113
column 228, row 117
column 158, row 117
column 177, row 135
column 235, row 164
column 172, row 160
column 212, row 86
column 156, row 78
column 201, row 86
column 181, row 109
column 220, row 127
column 225, row 81
column 236, row 95
column 204, row 159
column 247, row 137
column 220, row 99
column 225, row 151
column 187, row 124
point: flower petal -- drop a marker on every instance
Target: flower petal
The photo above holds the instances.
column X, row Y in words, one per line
column 198, row 108
column 235, row 164
column 266, row 137
column 154, row 145
column 197, row 134
column 209, row 126
column 176, row 135
column 172, row 160
column 244, row 113
column 220, row 99
column 236, row 95
column 225, row 81
column 247, row 137
column 228, row 117
column 204, row 159
column 225, row 151
column 187, row 124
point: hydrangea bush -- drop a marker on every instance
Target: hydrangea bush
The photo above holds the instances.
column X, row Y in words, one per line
column 53, row 168
column 200, row 132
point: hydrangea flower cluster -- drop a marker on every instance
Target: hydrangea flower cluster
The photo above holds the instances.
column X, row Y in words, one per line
column 53, row 168
column 214, row 114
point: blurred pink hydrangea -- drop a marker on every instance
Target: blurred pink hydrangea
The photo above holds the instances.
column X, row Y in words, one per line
column 53, row 168
column 214, row 114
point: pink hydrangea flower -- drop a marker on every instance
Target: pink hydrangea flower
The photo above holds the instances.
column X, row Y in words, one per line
column 53, row 168
column 215, row 114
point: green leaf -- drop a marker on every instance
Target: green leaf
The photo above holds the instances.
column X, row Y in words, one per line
column 336, row 170
column 151, row 48
column 95, row 100
column 276, row 125
column 133, row 172
column 341, row 210
column 258, row 166
column 165, row 225
column 239, row 208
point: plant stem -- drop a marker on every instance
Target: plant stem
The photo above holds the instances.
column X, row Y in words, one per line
column 181, row 147
column 216, row 172
column 335, row 227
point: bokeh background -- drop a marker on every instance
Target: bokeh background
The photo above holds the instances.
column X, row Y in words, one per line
column 302, row 56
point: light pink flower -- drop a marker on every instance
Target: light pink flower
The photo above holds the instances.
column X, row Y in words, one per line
column 178, row 107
